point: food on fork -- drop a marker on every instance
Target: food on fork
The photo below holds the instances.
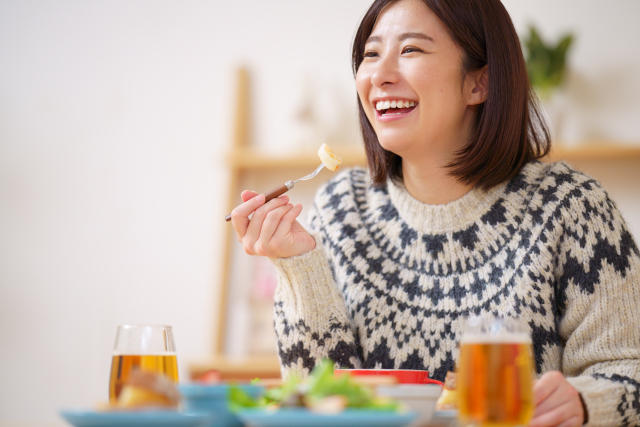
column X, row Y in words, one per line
column 448, row 398
column 329, row 161
column 147, row 390
column 328, row 158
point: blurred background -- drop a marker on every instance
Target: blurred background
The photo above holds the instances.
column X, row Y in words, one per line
column 115, row 120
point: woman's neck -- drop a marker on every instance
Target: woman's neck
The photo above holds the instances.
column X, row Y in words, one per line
column 431, row 183
column 424, row 170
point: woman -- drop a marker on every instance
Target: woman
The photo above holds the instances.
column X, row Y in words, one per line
column 456, row 217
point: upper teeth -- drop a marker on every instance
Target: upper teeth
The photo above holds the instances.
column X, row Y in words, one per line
column 385, row 105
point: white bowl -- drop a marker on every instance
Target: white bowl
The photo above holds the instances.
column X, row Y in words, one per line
column 419, row 398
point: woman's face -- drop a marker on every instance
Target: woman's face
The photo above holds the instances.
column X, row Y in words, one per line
column 411, row 58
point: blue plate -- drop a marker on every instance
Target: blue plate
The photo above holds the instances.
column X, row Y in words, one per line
column 296, row 417
column 87, row 418
column 213, row 399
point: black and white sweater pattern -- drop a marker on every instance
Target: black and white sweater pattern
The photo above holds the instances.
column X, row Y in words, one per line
column 392, row 281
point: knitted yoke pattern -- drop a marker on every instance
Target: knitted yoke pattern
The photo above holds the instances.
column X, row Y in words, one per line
column 392, row 280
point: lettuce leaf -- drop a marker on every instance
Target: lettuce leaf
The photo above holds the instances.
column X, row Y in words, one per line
column 321, row 384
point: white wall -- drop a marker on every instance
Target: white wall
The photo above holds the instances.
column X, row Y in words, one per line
column 113, row 118
column 602, row 88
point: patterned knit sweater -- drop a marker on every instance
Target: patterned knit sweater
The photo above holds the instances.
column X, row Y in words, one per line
column 392, row 281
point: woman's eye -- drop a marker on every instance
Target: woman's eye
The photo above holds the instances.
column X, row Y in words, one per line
column 411, row 49
column 370, row 54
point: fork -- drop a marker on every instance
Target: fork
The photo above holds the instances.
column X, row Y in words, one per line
column 280, row 190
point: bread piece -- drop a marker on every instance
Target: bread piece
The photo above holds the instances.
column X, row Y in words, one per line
column 145, row 390
column 448, row 399
column 328, row 158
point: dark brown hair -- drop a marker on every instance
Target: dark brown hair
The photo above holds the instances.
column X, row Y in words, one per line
column 509, row 129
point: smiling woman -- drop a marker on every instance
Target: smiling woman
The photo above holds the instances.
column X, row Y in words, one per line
column 456, row 217
column 446, row 53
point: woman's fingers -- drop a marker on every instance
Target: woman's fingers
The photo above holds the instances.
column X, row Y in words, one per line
column 282, row 238
column 565, row 414
column 254, row 229
column 248, row 195
column 288, row 219
column 272, row 230
column 560, row 392
column 557, row 402
column 271, row 223
column 546, row 385
column 557, row 399
column 291, row 238
column 240, row 215
column 574, row 421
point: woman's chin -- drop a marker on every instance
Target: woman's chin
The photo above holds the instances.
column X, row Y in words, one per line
column 395, row 145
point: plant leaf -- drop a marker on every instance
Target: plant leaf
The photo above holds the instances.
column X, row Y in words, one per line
column 546, row 64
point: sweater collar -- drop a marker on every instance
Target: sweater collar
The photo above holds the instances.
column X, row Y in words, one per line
column 451, row 216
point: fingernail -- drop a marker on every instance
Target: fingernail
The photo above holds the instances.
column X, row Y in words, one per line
column 290, row 205
column 260, row 198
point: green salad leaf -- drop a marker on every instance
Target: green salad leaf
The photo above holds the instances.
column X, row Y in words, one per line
column 320, row 385
column 240, row 399
column 286, row 395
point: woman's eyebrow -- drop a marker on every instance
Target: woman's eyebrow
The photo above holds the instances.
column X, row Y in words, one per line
column 423, row 36
column 402, row 37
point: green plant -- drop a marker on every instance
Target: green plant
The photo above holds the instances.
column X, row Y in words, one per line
column 546, row 63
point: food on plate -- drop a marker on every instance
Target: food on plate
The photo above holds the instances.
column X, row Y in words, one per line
column 447, row 399
column 146, row 390
column 321, row 392
column 212, row 376
column 329, row 405
column 328, row 158
column 122, row 365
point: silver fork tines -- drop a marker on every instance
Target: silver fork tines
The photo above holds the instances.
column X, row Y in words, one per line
column 291, row 184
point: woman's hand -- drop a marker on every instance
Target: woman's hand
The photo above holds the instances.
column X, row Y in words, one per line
column 557, row 402
column 273, row 230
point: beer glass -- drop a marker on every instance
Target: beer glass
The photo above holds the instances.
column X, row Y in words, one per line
column 144, row 347
column 495, row 373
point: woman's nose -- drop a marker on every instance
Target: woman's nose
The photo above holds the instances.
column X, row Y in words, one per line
column 385, row 73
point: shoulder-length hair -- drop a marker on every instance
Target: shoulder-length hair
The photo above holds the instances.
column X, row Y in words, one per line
column 509, row 130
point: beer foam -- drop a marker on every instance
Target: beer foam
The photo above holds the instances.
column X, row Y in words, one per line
column 503, row 338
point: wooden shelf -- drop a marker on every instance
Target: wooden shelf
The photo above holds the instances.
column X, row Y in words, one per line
column 248, row 158
column 233, row 368
column 596, row 151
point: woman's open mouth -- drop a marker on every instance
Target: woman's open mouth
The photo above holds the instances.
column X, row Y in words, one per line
column 394, row 109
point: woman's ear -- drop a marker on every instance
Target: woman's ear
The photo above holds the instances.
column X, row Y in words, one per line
column 477, row 86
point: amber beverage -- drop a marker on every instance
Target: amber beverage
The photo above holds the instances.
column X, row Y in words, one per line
column 142, row 347
column 123, row 365
column 495, row 377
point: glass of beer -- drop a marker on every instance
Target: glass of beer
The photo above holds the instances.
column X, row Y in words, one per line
column 495, row 373
column 145, row 347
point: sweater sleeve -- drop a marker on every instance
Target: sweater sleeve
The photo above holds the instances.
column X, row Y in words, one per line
column 311, row 320
column 598, row 295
